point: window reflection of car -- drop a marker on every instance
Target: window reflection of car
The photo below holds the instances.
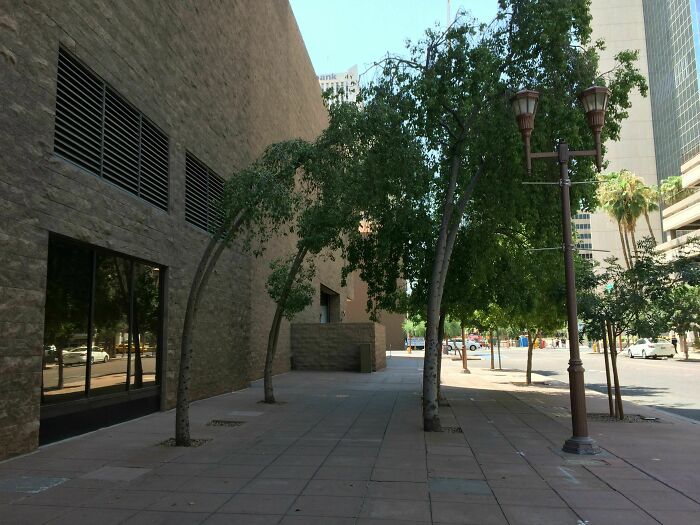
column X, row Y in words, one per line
column 78, row 356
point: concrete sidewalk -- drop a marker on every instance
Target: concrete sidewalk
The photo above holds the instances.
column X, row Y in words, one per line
column 347, row 448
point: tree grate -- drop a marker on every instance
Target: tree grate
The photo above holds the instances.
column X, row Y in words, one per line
column 224, row 423
column 631, row 418
column 170, row 442
column 453, row 430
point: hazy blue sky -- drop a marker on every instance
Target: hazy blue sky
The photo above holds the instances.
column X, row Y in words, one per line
column 341, row 33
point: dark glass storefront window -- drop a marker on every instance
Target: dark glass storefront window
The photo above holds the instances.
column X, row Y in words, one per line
column 102, row 323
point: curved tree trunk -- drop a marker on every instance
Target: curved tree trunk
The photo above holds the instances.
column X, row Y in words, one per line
column 441, row 337
column 623, row 243
column 651, row 232
column 277, row 322
column 211, row 255
column 634, row 245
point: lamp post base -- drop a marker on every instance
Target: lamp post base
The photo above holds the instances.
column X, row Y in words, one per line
column 584, row 446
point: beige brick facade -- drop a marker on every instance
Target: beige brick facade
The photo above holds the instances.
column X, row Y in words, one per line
column 223, row 80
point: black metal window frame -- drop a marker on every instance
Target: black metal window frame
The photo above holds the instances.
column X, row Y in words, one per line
column 203, row 192
column 100, row 131
column 160, row 336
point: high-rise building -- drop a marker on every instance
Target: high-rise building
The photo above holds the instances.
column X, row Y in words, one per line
column 345, row 84
column 661, row 137
column 621, row 25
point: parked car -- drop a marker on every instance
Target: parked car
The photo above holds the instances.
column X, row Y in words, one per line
column 471, row 344
column 78, row 356
column 650, row 347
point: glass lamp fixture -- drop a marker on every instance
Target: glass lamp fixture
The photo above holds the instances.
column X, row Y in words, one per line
column 524, row 104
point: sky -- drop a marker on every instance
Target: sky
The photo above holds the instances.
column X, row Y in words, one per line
column 341, row 33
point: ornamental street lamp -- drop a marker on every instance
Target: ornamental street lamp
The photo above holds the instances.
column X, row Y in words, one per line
column 594, row 100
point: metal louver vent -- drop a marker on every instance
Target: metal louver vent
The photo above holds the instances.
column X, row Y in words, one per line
column 98, row 130
column 203, row 192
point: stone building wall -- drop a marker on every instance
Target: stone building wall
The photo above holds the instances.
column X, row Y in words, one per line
column 335, row 346
column 202, row 73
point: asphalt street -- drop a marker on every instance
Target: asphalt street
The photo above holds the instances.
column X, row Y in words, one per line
column 668, row 384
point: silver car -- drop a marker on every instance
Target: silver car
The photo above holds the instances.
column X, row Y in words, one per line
column 651, row 347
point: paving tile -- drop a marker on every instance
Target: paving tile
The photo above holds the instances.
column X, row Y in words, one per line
column 529, row 515
column 91, row 517
column 619, row 517
column 341, row 506
column 243, row 519
column 231, row 471
column 121, row 498
column 191, row 502
column 26, row 515
column 213, row 484
column 317, row 520
column 354, row 473
column 61, row 496
column 249, row 459
column 159, row 483
column 150, row 517
column 596, row 499
column 467, row 513
column 288, row 472
column 116, row 473
column 373, row 521
column 258, row 504
column 536, row 497
column 336, row 487
column 274, row 486
column 396, row 509
column 397, row 490
column 350, row 461
column 293, row 460
column 386, row 474
column 676, row 517
column 663, row 500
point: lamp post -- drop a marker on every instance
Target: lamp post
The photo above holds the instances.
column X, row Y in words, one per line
column 594, row 100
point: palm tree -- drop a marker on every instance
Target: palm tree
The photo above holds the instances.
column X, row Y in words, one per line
column 625, row 197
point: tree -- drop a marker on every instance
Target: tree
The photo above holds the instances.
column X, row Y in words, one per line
column 326, row 213
column 440, row 122
column 256, row 201
column 672, row 191
column 684, row 312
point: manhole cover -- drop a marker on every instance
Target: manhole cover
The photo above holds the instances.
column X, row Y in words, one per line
column 29, row 484
column 453, row 430
column 460, row 486
column 224, row 423
column 170, row 442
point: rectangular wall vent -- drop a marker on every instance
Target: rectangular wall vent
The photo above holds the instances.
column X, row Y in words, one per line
column 97, row 129
column 203, row 192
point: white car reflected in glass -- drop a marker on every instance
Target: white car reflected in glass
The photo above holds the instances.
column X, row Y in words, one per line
column 651, row 347
column 78, row 356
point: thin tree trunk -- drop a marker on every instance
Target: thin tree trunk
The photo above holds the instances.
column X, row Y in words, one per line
column 607, row 373
column 528, row 372
column 443, row 252
column 624, row 247
column 441, row 336
column 211, row 255
column 138, row 364
column 274, row 333
column 629, row 249
column 684, row 344
column 634, row 243
column 616, row 377
column 651, row 232
column 493, row 363
column 59, row 357
column 465, row 365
